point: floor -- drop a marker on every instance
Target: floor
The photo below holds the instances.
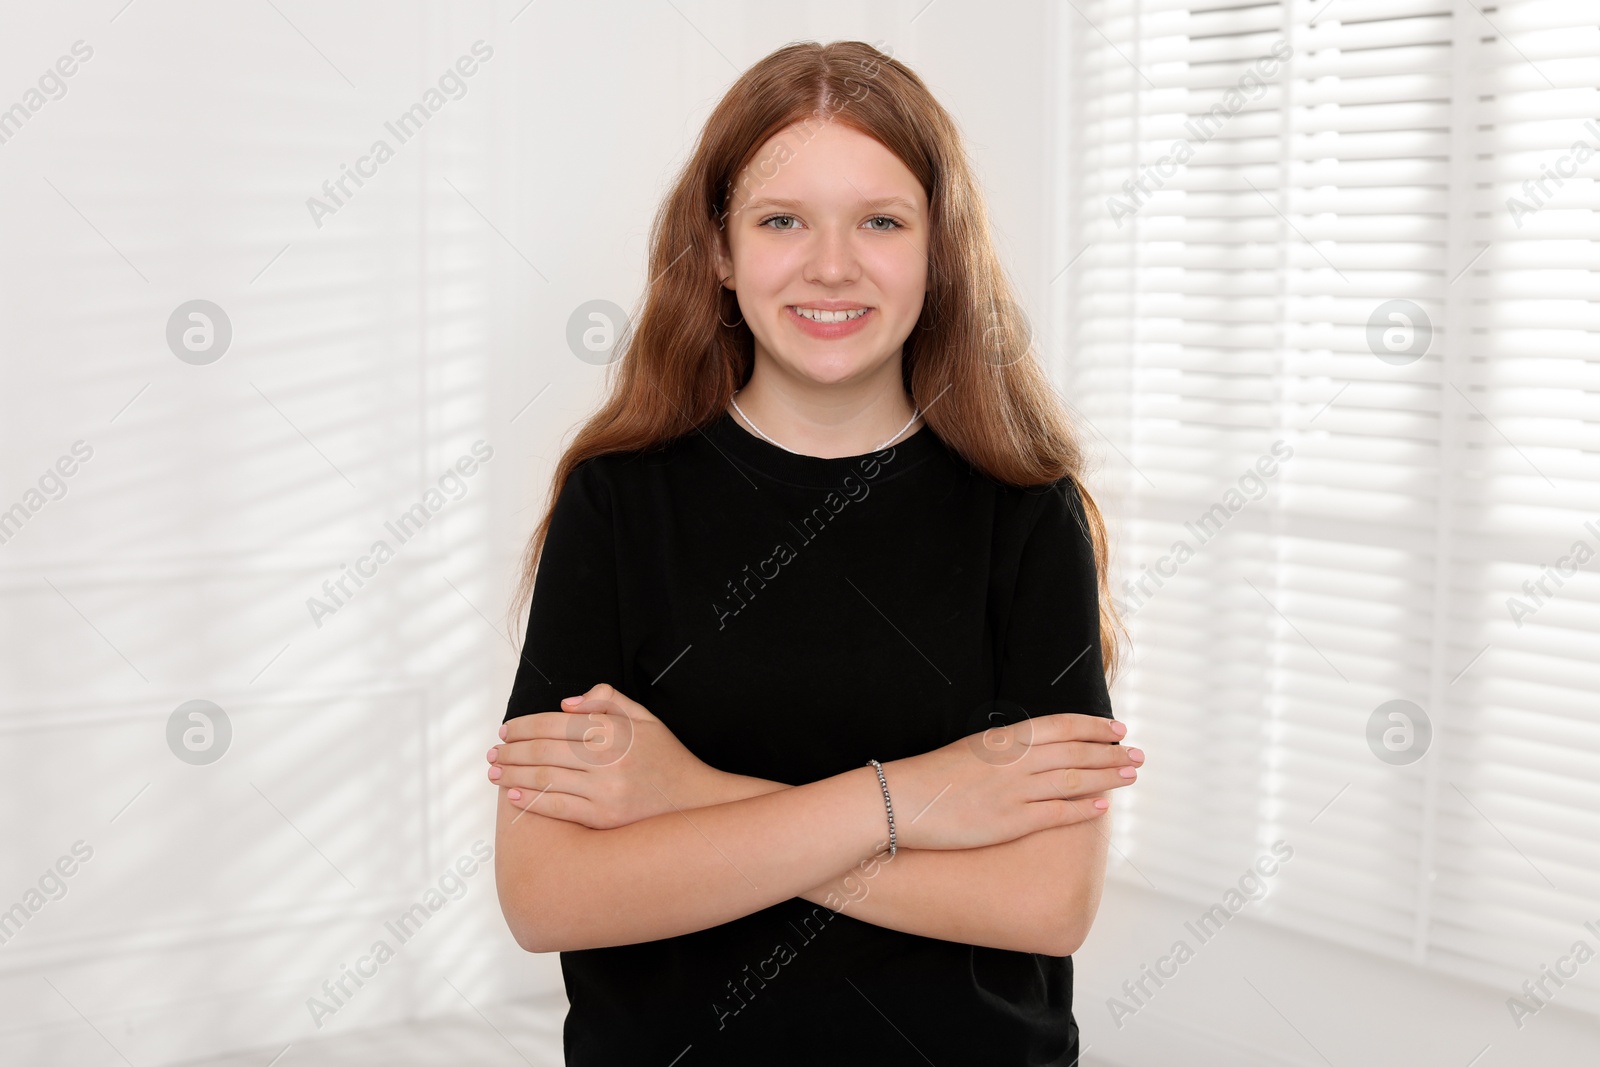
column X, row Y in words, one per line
column 519, row 1035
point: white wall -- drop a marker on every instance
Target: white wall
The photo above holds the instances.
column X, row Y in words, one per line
column 218, row 497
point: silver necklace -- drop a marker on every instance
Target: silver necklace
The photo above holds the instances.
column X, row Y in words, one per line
column 914, row 417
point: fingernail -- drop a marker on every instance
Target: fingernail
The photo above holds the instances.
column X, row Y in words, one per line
column 493, row 752
column 494, row 773
column 1102, row 804
column 1127, row 772
column 1119, row 728
column 515, row 794
column 502, row 731
column 1136, row 754
column 572, row 700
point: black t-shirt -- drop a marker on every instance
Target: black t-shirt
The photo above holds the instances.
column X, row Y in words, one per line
column 790, row 617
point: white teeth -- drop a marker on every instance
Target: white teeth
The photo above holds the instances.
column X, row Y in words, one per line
column 830, row 316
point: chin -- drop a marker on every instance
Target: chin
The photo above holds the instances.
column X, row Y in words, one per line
column 829, row 372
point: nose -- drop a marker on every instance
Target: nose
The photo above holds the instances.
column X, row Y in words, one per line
column 833, row 259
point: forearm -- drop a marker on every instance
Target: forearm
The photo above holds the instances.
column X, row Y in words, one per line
column 1038, row 893
column 1050, row 882
column 564, row 886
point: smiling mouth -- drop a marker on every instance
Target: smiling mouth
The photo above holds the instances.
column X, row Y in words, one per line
column 817, row 315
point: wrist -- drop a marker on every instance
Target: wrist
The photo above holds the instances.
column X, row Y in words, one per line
column 891, row 836
column 721, row 787
column 899, row 775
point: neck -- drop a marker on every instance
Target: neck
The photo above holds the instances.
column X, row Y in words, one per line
column 829, row 425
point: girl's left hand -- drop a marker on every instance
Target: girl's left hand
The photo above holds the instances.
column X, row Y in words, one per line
column 604, row 761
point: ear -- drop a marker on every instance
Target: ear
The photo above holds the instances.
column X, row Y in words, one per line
column 725, row 263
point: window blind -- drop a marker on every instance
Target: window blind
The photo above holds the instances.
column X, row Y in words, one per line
column 1332, row 320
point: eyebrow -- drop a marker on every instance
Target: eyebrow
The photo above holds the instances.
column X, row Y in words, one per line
column 785, row 202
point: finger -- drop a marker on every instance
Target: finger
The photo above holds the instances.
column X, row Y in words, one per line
column 598, row 691
column 1072, row 726
column 606, row 697
column 1074, row 782
column 1083, row 754
column 538, row 724
column 1070, row 812
column 524, row 773
column 590, row 735
column 530, row 781
column 600, row 695
column 552, row 805
column 577, row 753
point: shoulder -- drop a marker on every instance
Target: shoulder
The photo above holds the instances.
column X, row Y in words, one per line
column 593, row 485
column 1062, row 497
column 1063, row 489
column 591, row 478
column 610, row 468
column 1054, row 506
column 613, row 480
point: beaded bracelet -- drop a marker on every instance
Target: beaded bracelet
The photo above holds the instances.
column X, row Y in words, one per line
column 887, row 805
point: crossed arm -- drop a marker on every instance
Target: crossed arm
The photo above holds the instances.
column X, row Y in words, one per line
column 566, row 886
column 749, row 843
column 1038, row 893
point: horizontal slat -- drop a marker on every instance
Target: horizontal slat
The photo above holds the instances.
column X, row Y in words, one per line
column 1221, row 304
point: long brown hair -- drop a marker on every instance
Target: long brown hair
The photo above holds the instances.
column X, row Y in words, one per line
column 969, row 364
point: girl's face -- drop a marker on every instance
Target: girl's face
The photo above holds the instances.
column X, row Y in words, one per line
column 825, row 219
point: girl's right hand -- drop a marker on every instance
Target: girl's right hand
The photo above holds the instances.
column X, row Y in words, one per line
column 1007, row 782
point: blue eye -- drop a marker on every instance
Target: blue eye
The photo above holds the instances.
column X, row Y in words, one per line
column 894, row 224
